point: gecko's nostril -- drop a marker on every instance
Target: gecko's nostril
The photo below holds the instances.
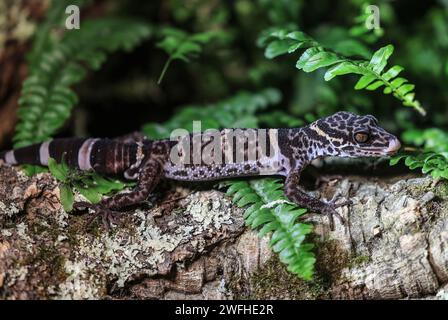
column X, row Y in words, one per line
column 394, row 145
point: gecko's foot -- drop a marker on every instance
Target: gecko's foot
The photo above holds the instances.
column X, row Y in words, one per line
column 107, row 216
column 330, row 211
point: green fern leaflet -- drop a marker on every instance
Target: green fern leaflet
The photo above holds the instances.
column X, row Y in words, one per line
column 269, row 211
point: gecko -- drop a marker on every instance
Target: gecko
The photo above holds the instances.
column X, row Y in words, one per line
column 261, row 152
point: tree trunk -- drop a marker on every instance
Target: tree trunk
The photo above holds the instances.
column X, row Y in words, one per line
column 197, row 247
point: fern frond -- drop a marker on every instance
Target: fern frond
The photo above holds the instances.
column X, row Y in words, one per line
column 47, row 98
column 433, row 159
column 180, row 45
column 268, row 210
column 372, row 72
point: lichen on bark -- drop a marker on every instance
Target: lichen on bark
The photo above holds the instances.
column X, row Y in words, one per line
column 193, row 245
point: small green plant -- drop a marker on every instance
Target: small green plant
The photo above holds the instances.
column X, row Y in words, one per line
column 432, row 155
column 90, row 184
column 282, row 41
column 180, row 45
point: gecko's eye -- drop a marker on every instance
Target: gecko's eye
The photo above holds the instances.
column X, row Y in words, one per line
column 362, row 137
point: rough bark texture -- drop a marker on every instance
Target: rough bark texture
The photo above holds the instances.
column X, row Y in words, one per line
column 198, row 248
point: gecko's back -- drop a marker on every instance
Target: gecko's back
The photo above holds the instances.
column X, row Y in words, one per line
column 209, row 155
column 216, row 154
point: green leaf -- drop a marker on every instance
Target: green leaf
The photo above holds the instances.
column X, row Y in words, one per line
column 398, row 82
column 277, row 48
column 394, row 160
column 375, row 85
column 392, row 72
column 59, row 171
column 341, row 69
column 433, row 159
column 90, row 193
column 364, row 81
column 380, row 57
column 405, row 89
column 299, row 36
column 66, row 196
column 265, row 214
column 247, row 199
column 319, row 60
column 306, row 56
column 387, row 90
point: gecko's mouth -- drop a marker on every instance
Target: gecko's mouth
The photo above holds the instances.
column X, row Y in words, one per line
column 391, row 149
column 377, row 151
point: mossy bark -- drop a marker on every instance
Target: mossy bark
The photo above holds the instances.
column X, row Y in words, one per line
column 392, row 247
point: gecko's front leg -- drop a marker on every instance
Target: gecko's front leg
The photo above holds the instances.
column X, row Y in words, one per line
column 296, row 195
column 107, row 209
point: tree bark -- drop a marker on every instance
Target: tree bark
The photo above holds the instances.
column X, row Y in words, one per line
column 197, row 247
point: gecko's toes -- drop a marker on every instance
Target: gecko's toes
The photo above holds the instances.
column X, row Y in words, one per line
column 108, row 217
column 330, row 211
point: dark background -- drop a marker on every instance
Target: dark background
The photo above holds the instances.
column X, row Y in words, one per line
column 124, row 95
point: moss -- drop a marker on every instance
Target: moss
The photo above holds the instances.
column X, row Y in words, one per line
column 439, row 206
column 331, row 259
column 50, row 256
column 420, row 186
column 441, row 190
column 358, row 260
column 274, row 281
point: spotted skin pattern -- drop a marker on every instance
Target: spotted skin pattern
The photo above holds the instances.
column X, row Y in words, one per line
column 226, row 154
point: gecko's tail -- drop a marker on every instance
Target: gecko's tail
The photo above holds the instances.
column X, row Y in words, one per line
column 8, row 157
column 38, row 154
column 103, row 155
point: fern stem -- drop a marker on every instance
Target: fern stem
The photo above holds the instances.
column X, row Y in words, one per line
column 165, row 68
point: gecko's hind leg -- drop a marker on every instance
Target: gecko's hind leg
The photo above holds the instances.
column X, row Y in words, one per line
column 108, row 209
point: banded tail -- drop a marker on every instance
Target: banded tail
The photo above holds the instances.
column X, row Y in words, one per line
column 101, row 155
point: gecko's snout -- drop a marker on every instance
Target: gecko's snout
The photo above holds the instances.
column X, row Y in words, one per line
column 394, row 146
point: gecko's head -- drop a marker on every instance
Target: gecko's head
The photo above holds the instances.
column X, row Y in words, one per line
column 350, row 135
